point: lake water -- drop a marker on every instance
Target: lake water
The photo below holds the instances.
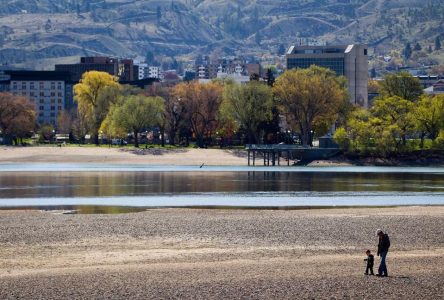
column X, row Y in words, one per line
column 24, row 185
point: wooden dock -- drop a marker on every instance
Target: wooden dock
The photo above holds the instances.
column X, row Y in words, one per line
column 272, row 154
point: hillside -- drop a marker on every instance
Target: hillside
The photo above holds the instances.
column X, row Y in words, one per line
column 35, row 33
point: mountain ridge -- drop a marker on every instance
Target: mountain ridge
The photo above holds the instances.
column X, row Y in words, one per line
column 33, row 31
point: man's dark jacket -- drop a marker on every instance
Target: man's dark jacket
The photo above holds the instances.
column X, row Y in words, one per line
column 384, row 243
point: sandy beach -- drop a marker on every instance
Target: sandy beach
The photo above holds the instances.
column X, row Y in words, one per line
column 220, row 254
column 103, row 155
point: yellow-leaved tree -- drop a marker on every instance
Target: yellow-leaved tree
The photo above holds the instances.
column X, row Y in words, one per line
column 309, row 98
column 94, row 95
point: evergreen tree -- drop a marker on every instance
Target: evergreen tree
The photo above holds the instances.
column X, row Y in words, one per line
column 430, row 50
column 418, row 47
column 270, row 77
column 437, row 43
column 407, row 51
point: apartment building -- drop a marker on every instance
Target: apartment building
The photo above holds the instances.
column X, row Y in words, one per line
column 50, row 91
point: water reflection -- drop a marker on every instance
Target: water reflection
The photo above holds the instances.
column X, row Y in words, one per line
column 115, row 184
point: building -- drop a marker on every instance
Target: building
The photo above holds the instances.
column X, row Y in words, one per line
column 428, row 80
column 436, row 88
column 50, row 91
column 210, row 69
column 5, row 81
column 124, row 68
column 350, row 61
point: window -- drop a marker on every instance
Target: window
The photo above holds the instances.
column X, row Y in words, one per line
column 42, row 101
column 52, row 115
column 59, row 101
column 59, row 107
column 52, row 107
column 41, row 107
column 59, row 94
column 53, row 94
column 42, row 94
column 365, row 51
column 52, row 101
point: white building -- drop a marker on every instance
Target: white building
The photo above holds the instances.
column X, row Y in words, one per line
column 146, row 71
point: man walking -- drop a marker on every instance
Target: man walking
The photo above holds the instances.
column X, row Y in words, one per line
column 383, row 248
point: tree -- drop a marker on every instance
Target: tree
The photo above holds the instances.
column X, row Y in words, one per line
column 373, row 86
column 270, row 77
column 428, row 115
column 308, row 97
column 429, row 49
column 255, row 77
column 417, row 47
column 401, row 84
column 247, row 106
column 94, row 95
column 174, row 113
column 135, row 114
column 395, row 115
column 47, row 132
column 407, row 51
column 437, row 43
column 201, row 103
column 360, row 131
column 17, row 117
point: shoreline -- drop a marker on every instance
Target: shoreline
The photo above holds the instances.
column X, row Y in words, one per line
column 184, row 157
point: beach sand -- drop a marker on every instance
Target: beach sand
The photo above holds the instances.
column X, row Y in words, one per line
column 220, row 254
column 103, row 155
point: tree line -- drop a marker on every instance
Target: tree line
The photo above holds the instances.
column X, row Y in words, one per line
column 303, row 101
column 401, row 119
column 300, row 104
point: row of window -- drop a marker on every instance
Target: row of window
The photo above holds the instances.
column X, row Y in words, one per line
column 52, row 101
column 41, row 94
column 334, row 64
column 53, row 108
column 42, row 115
column 23, row 85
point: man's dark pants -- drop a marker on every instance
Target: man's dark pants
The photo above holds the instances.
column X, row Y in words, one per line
column 382, row 270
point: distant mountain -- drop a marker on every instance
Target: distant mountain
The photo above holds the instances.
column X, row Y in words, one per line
column 37, row 33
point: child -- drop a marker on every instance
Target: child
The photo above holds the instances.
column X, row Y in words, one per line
column 370, row 259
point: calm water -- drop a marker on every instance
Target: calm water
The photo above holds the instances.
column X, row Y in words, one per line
column 145, row 186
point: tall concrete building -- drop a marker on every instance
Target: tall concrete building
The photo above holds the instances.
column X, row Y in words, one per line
column 350, row 61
